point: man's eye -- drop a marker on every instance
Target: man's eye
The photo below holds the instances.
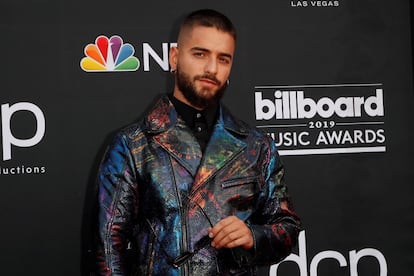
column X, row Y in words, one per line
column 199, row 54
column 224, row 60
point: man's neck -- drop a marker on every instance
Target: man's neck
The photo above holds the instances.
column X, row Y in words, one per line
column 179, row 96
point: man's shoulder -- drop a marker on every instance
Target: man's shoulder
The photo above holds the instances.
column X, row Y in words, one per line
column 156, row 113
column 133, row 128
column 126, row 135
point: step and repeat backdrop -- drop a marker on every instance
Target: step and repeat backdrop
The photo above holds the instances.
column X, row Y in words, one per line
column 330, row 81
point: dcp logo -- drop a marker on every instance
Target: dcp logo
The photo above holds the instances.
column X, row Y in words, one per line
column 8, row 139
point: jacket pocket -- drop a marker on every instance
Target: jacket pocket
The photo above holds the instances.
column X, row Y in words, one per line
column 240, row 182
column 240, row 193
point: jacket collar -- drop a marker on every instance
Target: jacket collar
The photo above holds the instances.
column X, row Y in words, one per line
column 171, row 133
column 163, row 116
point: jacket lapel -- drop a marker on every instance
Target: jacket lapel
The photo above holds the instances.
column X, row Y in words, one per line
column 173, row 135
column 182, row 146
column 222, row 148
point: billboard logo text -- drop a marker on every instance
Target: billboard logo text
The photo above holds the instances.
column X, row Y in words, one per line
column 294, row 105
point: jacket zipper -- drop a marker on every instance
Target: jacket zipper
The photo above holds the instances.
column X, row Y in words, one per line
column 184, row 268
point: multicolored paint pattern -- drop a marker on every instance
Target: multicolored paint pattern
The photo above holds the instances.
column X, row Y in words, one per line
column 157, row 190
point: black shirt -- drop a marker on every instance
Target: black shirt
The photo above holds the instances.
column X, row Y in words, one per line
column 201, row 122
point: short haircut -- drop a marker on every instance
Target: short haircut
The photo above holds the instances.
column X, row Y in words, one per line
column 209, row 18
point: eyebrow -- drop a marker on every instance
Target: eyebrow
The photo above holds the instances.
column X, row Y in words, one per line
column 208, row 51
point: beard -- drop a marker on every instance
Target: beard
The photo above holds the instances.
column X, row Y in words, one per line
column 203, row 97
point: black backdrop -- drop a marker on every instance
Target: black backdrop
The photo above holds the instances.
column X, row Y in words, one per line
column 353, row 192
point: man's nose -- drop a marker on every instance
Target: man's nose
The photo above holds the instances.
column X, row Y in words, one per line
column 211, row 66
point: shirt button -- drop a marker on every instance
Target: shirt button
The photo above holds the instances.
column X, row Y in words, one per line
column 199, row 129
column 198, row 115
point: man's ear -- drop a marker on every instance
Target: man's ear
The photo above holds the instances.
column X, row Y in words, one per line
column 173, row 58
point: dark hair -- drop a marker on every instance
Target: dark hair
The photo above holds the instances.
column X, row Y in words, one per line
column 209, row 18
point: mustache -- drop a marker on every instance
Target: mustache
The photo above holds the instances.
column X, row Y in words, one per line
column 208, row 77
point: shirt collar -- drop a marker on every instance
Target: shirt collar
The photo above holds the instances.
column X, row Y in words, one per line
column 190, row 115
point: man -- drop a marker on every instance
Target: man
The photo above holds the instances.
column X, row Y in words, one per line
column 192, row 189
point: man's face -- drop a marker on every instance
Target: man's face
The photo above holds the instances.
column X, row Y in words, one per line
column 203, row 63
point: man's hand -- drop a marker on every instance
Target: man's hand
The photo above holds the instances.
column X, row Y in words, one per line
column 231, row 232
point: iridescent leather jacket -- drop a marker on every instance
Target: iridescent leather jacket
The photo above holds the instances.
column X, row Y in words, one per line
column 158, row 195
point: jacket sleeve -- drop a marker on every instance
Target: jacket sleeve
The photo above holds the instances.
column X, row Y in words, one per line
column 117, row 201
column 274, row 225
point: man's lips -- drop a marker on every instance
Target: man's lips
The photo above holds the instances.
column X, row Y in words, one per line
column 208, row 81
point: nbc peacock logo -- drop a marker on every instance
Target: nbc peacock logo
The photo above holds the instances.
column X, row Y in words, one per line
column 109, row 55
